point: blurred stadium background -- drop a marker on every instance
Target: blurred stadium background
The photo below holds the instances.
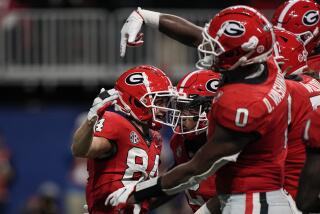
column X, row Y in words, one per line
column 55, row 55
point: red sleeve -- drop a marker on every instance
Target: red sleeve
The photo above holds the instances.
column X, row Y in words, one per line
column 314, row 62
column 158, row 139
column 312, row 130
column 243, row 115
column 108, row 126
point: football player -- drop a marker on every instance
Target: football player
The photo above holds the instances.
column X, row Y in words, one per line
column 308, row 198
column 196, row 91
column 123, row 148
column 304, row 97
column 303, row 19
column 247, row 147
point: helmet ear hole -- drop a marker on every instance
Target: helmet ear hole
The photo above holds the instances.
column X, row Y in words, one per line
column 232, row 53
column 130, row 100
column 134, row 101
column 137, row 103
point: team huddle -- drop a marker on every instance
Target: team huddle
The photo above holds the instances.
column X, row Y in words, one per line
column 246, row 124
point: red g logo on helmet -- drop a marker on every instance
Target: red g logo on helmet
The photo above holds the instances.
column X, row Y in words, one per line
column 212, row 85
column 233, row 28
column 135, row 79
column 310, row 18
column 236, row 36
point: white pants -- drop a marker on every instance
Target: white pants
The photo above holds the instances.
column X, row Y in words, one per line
column 274, row 202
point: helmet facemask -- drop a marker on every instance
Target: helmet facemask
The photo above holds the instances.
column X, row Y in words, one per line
column 193, row 116
column 208, row 50
column 161, row 106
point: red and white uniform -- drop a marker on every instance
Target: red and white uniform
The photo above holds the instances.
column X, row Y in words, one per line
column 261, row 108
column 134, row 158
column 253, row 184
column 312, row 130
column 202, row 192
column 305, row 96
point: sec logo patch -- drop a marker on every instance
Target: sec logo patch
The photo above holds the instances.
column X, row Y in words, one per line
column 134, row 138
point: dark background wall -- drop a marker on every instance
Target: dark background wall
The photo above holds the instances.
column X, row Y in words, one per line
column 39, row 140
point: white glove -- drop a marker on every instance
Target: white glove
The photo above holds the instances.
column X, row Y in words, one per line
column 119, row 197
column 102, row 102
column 130, row 30
column 85, row 207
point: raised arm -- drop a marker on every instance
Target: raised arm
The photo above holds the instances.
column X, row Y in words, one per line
column 175, row 27
column 82, row 138
column 84, row 144
column 180, row 29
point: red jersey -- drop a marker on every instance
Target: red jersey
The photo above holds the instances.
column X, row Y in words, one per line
column 313, row 62
column 202, row 192
column 134, row 158
column 261, row 108
column 305, row 95
column 312, row 130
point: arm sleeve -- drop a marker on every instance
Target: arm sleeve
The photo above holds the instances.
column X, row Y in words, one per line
column 108, row 126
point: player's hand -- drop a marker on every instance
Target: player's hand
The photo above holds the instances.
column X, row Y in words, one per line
column 130, row 32
column 104, row 100
column 119, row 198
column 85, row 207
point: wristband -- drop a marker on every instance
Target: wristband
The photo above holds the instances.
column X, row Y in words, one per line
column 150, row 18
column 147, row 189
